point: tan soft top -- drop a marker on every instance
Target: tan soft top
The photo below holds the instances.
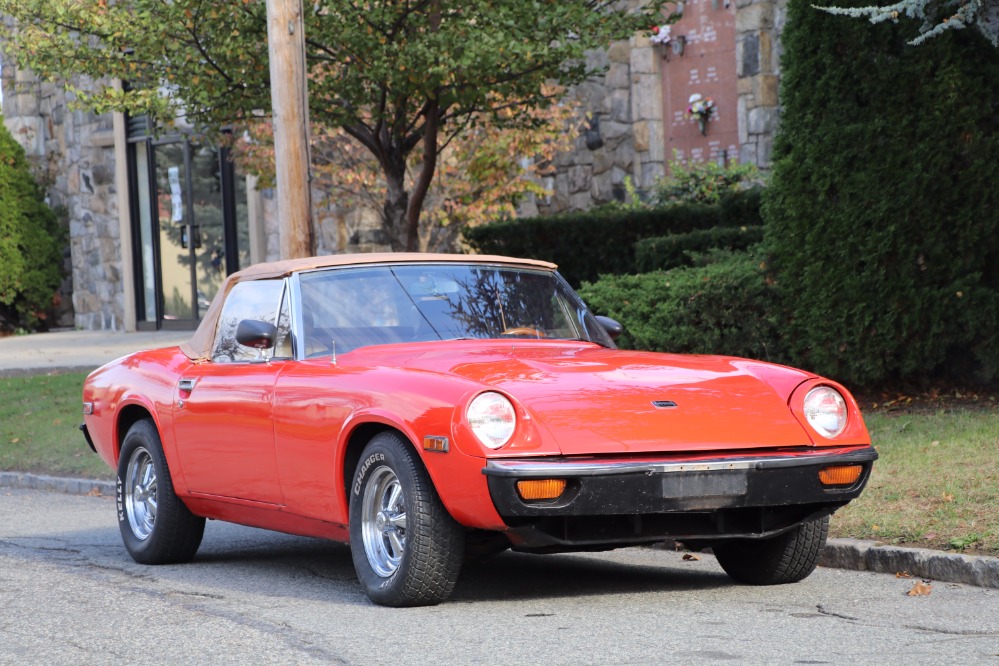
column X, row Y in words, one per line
column 199, row 347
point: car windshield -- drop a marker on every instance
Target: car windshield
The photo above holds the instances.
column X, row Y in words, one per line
column 356, row 307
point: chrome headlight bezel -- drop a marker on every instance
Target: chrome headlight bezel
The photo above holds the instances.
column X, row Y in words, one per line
column 826, row 410
column 492, row 419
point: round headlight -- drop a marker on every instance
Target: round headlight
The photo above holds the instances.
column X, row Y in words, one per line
column 825, row 410
column 492, row 418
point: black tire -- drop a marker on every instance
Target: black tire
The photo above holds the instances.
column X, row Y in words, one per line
column 407, row 549
column 786, row 558
column 155, row 525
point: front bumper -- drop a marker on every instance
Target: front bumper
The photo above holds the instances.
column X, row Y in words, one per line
column 621, row 501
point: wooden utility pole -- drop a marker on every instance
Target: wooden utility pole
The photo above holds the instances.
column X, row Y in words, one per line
column 290, row 105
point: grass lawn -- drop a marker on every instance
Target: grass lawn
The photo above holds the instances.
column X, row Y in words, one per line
column 936, row 484
column 40, row 418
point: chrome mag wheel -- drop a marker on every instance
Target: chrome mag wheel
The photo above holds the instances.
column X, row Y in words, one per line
column 383, row 522
column 140, row 493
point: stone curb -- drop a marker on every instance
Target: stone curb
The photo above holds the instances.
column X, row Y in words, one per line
column 858, row 555
column 56, row 484
column 853, row 554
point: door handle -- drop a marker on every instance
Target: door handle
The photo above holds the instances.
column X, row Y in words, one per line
column 187, row 384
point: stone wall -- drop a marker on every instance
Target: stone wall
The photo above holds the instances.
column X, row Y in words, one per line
column 620, row 132
column 758, row 25
column 73, row 152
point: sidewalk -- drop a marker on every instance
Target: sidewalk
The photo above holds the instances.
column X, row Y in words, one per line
column 80, row 350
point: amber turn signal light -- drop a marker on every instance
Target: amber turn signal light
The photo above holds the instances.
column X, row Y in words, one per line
column 840, row 475
column 540, row 489
column 435, row 443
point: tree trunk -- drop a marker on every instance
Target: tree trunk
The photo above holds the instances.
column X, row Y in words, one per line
column 394, row 213
column 431, row 127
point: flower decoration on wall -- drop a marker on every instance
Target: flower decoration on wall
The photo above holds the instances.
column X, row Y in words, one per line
column 660, row 34
column 700, row 108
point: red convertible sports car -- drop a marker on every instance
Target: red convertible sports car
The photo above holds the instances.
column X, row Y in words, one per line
column 427, row 407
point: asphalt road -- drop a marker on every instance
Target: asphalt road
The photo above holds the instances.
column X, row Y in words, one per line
column 69, row 594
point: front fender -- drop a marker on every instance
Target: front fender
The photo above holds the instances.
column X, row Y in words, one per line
column 456, row 476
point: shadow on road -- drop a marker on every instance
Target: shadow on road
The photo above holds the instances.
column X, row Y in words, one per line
column 236, row 560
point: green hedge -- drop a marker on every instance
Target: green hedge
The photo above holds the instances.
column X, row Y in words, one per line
column 591, row 243
column 721, row 308
column 882, row 212
column 666, row 252
column 30, row 256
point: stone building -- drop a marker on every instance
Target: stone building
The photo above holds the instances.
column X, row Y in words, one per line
column 636, row 114
column 156, row 222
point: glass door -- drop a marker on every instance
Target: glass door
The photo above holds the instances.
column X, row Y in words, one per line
column 207, row 225
column 191, row 224
column 177, row 230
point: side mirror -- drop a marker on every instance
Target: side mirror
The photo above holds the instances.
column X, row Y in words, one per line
column 256, row 334
column 613, row 328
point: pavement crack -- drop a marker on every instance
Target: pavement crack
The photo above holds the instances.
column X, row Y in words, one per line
column 107, row 568
column 841, row 616
column 951, row 632
column 40, row 544
column 196, row 595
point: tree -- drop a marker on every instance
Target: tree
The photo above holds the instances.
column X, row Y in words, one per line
column 394, row 75
column 881, row 211
column 481, row 175
column 937, row 16
column 30, row 252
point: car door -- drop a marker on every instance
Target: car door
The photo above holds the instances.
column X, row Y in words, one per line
column 223, row 420
column 338, row 311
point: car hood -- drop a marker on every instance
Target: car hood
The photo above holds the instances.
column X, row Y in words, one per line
column 594, row 400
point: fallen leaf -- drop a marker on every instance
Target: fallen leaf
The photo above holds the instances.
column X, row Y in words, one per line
column 921, row 588
column 95, row 492
column 935, row 442
column 15, row 440
column 947, row 497
column 690, row 557
column 903, row 574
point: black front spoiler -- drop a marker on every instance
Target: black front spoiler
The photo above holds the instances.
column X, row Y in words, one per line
column 625, row 501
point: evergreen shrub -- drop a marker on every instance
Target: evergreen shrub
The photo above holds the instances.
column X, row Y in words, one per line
column 30, row 255
column 723, row 308
column 601, row 241
column 664, row 252
column 702, row 182
column 882, row 211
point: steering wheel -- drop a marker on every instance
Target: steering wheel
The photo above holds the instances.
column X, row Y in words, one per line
column 525, row 330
